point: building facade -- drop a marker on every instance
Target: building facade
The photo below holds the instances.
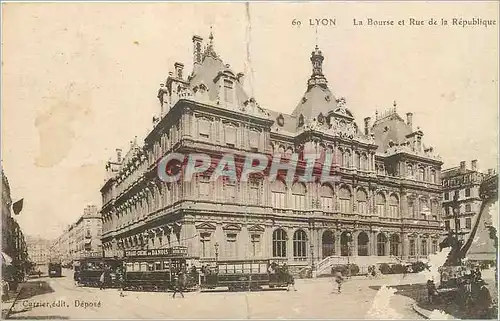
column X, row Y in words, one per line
column 462, row 201
column 38, row 250
column 385, row 203
column 81, row 237
column 13, row 240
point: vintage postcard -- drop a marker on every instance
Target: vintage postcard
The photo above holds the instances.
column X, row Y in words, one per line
column 250, row 160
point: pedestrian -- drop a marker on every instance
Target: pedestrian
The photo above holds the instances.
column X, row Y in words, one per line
column 405, row 270
column 179, row 284
column 339, row 279
column 121, row 281
column 431, row 291
column 101, row 280
column 76, row 277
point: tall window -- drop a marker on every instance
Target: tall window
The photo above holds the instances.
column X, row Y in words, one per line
column 203, row 187
column 411, row 208
column 254, row 192
column 468, row 207
column 299, row 196
column 278, row 192
column 326, row 194
column 433, row 176
column 279, row 243
column 205, row 244
column 447, row 225
column 457, row 222
column 381, row 240
column 299, row 244
column 363, row 244
column 229, row 191
column 345, row 200
column 230, row 133
column 346, row 162
column 446, row 196
column 380, row 200
column 434, row 246
column 412, row 248
column 255, row 240
column 231, row 245
column 467, row 192
column 394, row 245
column 409, row 171
column 421, row 174
column 357, row 160
column 468, row 223
column 393, row 206
column 423, row 247
column 364, row 162
column 228, row 91
column 362, row 201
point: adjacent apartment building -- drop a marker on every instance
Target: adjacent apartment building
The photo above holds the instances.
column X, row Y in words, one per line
column 385, row 205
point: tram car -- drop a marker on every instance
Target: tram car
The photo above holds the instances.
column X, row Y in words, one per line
column 88, row 271
column 245, row 275
column 155, row 269
column 54, row 268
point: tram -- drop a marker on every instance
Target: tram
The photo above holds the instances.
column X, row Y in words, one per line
column 245, row 275
column 88, row 270
column 55, row 269
column 155, row 269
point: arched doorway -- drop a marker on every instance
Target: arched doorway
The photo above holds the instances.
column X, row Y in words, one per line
column 345, row 239
column 363, row 244
column 381, row 240
column 328, row 244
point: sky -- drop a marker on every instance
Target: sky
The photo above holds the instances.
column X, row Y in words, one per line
column 80, row 80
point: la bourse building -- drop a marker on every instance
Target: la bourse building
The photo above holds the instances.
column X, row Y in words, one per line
column 385, row 204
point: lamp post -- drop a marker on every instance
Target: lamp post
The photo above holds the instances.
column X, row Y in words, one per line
column 216, row 251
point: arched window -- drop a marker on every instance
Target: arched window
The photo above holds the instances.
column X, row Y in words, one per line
column 409, row 170
column 328, row 243
column 362, row 201
column 433, row 176
column 423, row 247
column 357, row 160
column 326, row 194
column 381, row 240
column 346, row 159
column 299, row 244
column 364, row 162
column 345, row 200
column 278, row 193
column 363, row 244
column 345, row 243
column 421, row 174
column 393, row 206
column 380, row 201
column 339, row 157
column 279, row 243
column 299, row 196
column 394, row 251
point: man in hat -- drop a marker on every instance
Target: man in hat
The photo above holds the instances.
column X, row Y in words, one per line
column 179, row 284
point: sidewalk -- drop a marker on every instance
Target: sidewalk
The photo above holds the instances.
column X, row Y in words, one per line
column 9, row 304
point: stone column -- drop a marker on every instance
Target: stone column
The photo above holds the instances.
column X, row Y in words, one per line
column 243, row 243
column 405, row 251
column 354, row 243
column 289, row 245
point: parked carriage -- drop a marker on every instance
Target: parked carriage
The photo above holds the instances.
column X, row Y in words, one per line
column 245, row 275
column 88, row 271
column 155, row 270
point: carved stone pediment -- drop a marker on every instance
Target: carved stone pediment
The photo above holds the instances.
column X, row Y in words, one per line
column 205, row 226
column 256, row 228
column 232, row 227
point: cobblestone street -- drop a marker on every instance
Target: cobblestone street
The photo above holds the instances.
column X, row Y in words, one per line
column 314, row 298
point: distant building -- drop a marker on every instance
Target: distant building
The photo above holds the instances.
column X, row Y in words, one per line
column 38, row 250
column 461, row 184
column 80, row 237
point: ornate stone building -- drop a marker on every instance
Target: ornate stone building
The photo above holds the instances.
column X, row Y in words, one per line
column 385, row 204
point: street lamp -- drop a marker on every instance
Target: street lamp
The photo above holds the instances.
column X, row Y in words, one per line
column 216, row 251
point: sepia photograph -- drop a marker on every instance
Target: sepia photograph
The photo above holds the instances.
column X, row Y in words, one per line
column 250, row 160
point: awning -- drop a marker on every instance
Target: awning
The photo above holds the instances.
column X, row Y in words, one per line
column 6, row 260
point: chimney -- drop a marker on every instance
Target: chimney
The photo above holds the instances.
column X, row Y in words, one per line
column 240, row 77
column 367, row 125
column 409, row 119
column 118, row 155
column 179, row 67
column 197, row 44
column 473, row 164
column 462, row 166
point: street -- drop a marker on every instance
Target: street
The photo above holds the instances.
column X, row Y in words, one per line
column 314, row 298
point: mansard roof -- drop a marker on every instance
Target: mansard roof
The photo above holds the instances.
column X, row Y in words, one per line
column 390, row 128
